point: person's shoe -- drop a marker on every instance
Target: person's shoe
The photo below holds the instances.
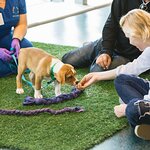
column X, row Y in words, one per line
column 143, row 131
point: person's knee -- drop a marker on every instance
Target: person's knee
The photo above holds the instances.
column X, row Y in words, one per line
column 79, row 57
column 25, row 43
column 66, row 58
column 69, row 59
column 120, row 79
column 7, row 69
column 96, row 68
column 117, row 61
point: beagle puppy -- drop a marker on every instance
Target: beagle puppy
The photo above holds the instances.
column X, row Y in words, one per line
column 43, row 65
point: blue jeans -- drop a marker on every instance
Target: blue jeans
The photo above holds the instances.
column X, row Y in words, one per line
column 10, row 68
column 86, row 56
column 131, row 89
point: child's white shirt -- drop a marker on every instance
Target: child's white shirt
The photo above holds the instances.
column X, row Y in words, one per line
column 138, row 66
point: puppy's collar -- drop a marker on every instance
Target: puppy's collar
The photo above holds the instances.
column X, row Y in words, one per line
column 52, row 73
column 54, row 68
column 57, row 65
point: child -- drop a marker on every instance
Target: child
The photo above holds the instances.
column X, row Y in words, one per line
column 134, row 91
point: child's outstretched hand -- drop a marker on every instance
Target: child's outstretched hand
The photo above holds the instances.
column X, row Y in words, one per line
column 87, row 80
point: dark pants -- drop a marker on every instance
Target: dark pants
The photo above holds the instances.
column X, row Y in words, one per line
column 131, row 89
column 86, row 56
column 10, row 68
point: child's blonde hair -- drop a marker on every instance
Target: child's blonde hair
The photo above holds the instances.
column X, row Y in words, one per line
column 139, row 23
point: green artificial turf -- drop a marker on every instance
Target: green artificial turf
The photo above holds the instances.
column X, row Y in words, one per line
column 69, row 131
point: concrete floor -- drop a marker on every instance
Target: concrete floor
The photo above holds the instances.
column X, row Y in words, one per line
column 75, row 31
column 123, row 140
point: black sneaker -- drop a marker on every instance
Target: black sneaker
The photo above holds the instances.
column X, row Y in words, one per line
column 143, row 107
column 143, row 131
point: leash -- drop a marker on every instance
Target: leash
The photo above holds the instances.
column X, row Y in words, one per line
column 23, row 77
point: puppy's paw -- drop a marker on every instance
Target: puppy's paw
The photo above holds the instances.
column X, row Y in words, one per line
column 57, row 94
column 19, row 91
column 38, row 96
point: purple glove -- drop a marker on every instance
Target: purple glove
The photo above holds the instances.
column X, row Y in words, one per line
column 15, row 44
column 5, row 55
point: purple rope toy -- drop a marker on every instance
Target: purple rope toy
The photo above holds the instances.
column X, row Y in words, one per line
column 38, row 111
column 39, row 101
column 47, row 101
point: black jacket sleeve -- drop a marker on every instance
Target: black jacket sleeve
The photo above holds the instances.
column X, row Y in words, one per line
column 112, row 27
column 113, row 38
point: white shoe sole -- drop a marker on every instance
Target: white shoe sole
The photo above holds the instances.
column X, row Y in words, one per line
column 143, row 131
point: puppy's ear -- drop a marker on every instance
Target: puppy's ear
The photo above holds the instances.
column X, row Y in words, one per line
column 61, row 75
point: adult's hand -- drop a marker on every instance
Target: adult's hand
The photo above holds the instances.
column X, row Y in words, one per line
column 104, row 60
column 5, row 55
column 15, row 45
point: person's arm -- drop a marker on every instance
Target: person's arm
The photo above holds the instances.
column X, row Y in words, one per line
column 109, row 34
column 110, row 28
column 96, row 76
column 21, row 29
column 19, row 33
column 138, row 66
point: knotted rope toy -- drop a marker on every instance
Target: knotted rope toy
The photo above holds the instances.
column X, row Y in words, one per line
column 38, row 111
column 46, row 101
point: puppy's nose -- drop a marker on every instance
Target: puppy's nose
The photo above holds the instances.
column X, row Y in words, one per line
column 76, row 82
